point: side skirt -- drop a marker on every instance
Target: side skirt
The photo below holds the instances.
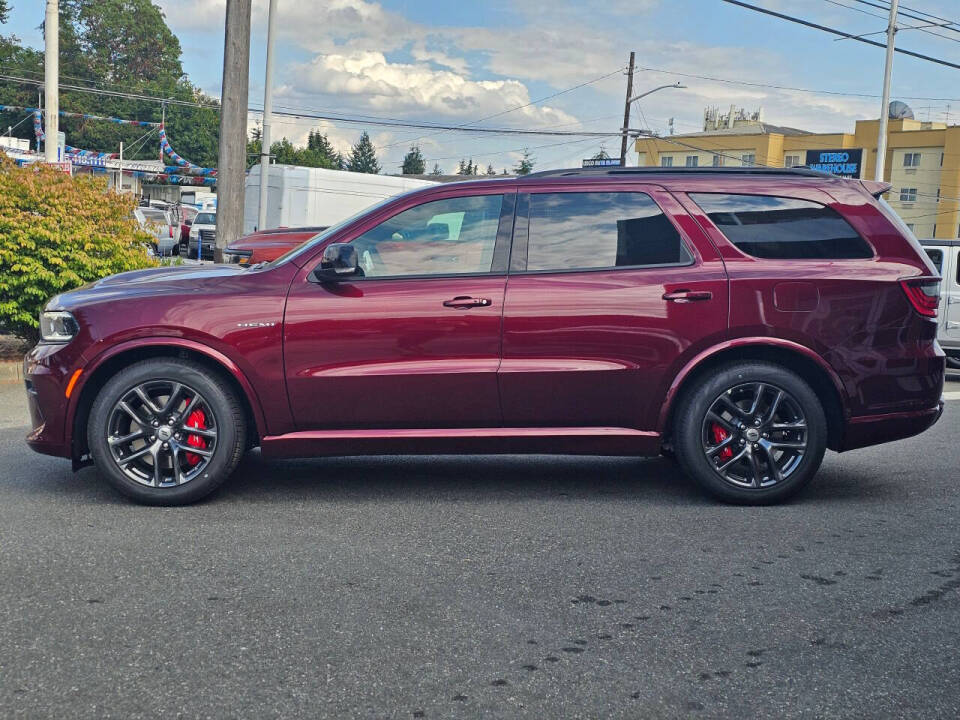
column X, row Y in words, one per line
column 443, row 441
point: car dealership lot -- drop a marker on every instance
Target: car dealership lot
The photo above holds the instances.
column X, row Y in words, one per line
column 438, row 587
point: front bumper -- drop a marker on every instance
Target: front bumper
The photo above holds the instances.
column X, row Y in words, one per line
column 46, row 372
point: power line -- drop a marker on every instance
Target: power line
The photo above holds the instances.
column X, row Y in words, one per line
column 906, row 11
column 833, row 31
column 921, row 28
column 786, row 87
column 369, row 120
column 513, row 109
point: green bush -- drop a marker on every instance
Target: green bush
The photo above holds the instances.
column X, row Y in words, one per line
column 56, row 233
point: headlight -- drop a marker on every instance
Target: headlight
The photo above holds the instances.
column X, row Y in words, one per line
column 237, row 257
column 57, row 326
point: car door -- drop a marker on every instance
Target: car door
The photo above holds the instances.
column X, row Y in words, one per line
column 415, row 341
column 951, row 293
column 608, row 291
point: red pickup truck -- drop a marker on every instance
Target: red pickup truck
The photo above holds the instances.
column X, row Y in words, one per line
column 267, row 245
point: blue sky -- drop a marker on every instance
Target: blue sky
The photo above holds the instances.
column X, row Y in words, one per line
column 460, row 61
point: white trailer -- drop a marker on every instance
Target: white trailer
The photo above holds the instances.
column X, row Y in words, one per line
column 303, row 196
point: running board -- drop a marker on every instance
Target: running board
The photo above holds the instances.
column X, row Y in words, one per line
column 444, row 441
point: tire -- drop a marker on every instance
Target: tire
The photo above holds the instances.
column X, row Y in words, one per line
column 953, row 362
column 177, row 401
column 750, row 458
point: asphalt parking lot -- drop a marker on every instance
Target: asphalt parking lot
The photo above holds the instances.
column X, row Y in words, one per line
column 498, row 587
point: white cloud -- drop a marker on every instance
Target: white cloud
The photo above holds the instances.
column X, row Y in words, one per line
column 399, row 87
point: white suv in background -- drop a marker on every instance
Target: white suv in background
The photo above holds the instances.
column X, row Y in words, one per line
column 203, row 233
column 946, row 256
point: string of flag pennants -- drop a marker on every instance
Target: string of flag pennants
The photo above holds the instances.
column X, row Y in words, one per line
column 194, row 174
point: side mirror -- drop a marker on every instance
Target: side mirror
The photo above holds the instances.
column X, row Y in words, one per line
column 339, row 261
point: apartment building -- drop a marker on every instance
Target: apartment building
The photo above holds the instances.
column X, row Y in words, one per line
column 922, row 163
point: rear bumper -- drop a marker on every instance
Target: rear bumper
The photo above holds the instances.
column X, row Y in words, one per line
column 876, row 429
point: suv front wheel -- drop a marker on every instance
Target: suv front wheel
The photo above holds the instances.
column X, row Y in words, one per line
column 166, row 431
column 751, row 433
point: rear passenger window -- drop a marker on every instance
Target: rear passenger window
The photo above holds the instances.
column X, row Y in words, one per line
column 783, row 228
column 582, row 231
column 936, row 256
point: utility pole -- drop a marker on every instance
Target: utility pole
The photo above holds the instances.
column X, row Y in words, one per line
column 120, row 171
column 267, row 111
column 885, row 103
column 232, row 160
column 51, row 74
column 626, row 113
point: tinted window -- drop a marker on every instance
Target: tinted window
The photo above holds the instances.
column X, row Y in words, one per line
column 937, row 257
column 205, row 218
column 570, row 231
column 783, row 228
column 455, row 235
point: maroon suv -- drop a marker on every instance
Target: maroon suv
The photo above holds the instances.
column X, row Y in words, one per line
column 742, row 321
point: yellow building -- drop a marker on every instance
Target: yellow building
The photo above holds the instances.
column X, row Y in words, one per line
column 923, row 161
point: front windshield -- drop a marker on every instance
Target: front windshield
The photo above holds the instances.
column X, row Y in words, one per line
column 205, row 218
column 316, row 239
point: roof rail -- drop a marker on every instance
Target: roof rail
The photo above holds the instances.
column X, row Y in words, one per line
column 581, row 172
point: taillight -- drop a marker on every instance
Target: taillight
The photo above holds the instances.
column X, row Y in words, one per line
column 923, row 293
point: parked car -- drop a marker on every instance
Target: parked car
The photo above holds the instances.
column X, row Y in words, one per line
column 159, row 223
column 267, row 245
column 945, row 255
column 203, row 235
column 742, row 320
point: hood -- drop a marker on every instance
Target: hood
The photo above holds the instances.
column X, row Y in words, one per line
column 140, row 283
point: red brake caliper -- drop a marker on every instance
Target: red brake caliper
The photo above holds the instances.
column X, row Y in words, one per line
column 719, row 434
column 196, row 420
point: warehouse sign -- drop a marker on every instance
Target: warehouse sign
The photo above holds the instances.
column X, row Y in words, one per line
column 845, row 163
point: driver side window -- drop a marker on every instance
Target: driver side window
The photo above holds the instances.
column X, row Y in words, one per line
column 443, row 237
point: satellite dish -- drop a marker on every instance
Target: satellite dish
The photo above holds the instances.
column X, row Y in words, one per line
column 900, row 111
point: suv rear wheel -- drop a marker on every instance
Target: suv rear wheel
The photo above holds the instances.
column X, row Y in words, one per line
column 166, row 431
column 751, row 433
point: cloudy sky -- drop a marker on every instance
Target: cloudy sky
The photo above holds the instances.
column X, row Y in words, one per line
column 502, row 63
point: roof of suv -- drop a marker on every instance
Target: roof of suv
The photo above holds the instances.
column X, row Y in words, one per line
column 627, row 171
column 657, row 174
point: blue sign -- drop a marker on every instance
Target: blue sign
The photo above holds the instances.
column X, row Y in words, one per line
column 845, row 163
column 601, row 162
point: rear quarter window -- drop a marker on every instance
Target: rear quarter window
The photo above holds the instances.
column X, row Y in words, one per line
column 936, row 257
column 782, row 228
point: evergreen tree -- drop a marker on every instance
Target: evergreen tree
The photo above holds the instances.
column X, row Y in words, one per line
column 490, row 170
column 413, row 162
column 462, row 168
column 437, row 170
column 363, row 158
column 525, row 166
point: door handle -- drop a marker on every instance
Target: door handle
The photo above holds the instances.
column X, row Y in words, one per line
column 465, row 301
column 685, row 296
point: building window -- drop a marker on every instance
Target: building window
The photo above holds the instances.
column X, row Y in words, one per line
column 910, row 227
column 791, row 161
column 666, row 161
column 908, row 194
column 718, row 160
column 692, row 161
column 748, row 159
column 911, row 160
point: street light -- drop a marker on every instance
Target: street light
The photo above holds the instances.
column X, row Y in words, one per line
column 676, row 85
column 626, row 115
